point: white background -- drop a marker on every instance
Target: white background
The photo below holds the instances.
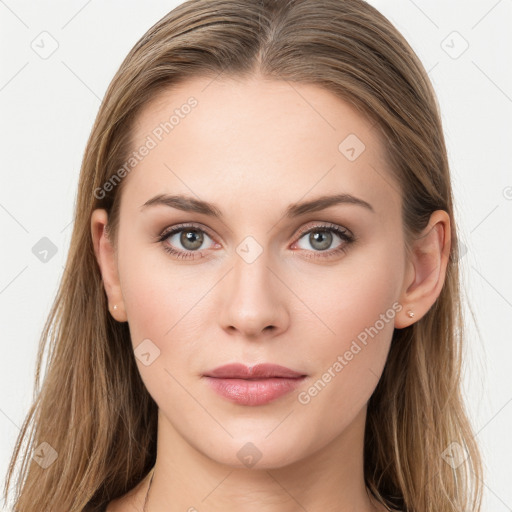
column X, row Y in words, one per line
column 47, row 110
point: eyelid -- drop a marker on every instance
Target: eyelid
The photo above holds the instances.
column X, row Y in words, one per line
column 182, row 226
column 321, row 224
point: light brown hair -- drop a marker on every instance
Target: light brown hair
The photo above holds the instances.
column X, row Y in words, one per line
column 93, row 407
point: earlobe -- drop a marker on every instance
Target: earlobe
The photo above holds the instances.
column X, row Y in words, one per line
column 106, row 258
column 426, row 270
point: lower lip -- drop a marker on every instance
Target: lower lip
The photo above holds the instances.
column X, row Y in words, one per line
column 253, row 392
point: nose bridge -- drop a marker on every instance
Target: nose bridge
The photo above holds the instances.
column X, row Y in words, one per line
column 251, row 300
column 251, row 267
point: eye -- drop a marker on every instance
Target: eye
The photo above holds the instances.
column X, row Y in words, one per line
column 321, row 238
column 187, row 238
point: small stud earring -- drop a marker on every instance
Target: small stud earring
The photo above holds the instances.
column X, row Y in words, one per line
column 410, row 314
column 115, row 307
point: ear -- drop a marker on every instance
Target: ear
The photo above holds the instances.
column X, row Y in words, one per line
column 426, row 269
column 106, row 257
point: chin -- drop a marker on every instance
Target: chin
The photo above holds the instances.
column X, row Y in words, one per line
column 257, row 451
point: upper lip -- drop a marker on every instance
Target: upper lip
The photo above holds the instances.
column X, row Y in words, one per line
column 259, row 371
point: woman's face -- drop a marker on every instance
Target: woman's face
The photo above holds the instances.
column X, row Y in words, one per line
column 265, row 280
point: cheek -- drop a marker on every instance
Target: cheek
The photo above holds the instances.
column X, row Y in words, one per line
column 163, row 303
column 158, row 294
column 354, row 294
column 358, row 304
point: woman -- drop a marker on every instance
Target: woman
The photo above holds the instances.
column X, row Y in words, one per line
column 260, row 309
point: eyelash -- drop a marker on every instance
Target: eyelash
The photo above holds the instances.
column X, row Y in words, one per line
column 344, row 234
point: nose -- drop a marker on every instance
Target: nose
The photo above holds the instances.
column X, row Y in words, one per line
column 254, row 299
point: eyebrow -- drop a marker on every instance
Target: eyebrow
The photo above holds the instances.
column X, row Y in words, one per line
column 190, row 204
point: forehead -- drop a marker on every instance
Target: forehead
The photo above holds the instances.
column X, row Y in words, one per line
column 214, row 138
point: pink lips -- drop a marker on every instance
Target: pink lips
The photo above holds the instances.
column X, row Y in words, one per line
column 255, row 385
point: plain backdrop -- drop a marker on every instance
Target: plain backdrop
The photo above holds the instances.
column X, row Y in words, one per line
column 48, row 103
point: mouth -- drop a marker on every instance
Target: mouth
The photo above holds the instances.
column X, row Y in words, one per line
column 256, row 385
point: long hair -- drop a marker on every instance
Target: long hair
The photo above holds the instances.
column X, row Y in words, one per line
column 93, row 418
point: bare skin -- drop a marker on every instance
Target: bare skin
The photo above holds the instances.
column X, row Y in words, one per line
column 252, row 148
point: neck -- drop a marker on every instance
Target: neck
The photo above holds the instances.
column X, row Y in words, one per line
column 330, row 479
